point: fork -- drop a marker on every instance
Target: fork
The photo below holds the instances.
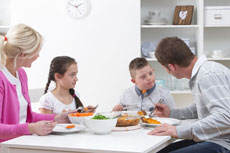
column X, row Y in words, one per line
column 160, row 102
column 95, row 108
column 80, row 109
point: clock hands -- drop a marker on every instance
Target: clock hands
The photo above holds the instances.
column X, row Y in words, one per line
column 79, row 5
column 76, row 6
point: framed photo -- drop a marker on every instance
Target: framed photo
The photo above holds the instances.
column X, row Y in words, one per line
column 183, row 15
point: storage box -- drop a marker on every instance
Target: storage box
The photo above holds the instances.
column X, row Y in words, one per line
column 217, row 15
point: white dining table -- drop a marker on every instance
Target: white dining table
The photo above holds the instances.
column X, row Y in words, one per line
column 135, row 141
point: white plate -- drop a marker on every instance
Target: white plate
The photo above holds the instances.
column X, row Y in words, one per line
column 146, row 47
column 171, row 121
column 61, row 128
column 156, row 23
column 127, row 128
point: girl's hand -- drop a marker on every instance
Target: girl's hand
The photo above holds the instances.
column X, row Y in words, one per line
column 90, row 108
column 63, row 116
column 118, row 108
column 41, row 127
column 161, row 110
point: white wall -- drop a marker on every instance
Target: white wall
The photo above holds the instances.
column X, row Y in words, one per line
column 103, row 44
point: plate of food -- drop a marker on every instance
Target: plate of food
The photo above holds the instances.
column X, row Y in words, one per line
column 66, row 128
column 126, row 118
column 156, row 121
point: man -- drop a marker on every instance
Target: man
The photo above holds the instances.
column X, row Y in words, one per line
column 210, row 85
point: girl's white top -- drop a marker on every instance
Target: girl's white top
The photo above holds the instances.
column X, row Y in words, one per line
column 49, row 101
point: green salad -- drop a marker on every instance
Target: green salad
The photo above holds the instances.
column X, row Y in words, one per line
column 100, row 117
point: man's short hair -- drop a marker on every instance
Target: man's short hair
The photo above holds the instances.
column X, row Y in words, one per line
column 136, row 64
column 173, row 50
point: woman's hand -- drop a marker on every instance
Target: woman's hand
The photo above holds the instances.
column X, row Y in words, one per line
column 63, row 116
column 118, row 108
column 161, row 110
column 41, row 127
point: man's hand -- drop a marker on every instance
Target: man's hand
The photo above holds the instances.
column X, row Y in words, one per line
column 161, row 110
column 164, row 130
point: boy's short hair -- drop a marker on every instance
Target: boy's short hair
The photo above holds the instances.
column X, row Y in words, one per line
column 173, row 50
column 137, row 63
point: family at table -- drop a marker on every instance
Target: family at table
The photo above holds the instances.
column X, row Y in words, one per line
column 209, row 83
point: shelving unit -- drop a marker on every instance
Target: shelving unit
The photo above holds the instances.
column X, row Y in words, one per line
column 205, row 38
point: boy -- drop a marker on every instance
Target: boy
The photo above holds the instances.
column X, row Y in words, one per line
column 145, row 93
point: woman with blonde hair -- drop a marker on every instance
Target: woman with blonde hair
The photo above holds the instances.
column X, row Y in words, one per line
column 20, row 48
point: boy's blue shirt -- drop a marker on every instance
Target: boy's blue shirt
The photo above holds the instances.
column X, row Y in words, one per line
column 149, row 91
column 133, row 99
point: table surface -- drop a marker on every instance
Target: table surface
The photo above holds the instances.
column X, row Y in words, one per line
column 136, row 141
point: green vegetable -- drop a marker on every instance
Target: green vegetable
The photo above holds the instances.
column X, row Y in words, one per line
column 100, row 117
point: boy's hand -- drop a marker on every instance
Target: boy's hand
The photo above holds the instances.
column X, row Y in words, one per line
column 161, row 110
column 118, row 108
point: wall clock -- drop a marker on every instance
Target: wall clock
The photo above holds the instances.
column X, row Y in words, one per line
column 78, row 9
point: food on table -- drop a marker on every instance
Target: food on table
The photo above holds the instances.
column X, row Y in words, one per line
column 81, row 114
column 85, row 108
column 141, row 113
column 100, row 117
column 127, row 120
column 70, row 126
column 144, row 91
column 150, row 121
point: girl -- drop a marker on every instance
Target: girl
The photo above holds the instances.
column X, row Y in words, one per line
column 63, row 71
column 18, row 49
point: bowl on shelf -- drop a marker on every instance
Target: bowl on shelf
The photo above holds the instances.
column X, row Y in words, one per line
column 79, row 118
column 218, row 53
column 101, row 126
column 152, row 54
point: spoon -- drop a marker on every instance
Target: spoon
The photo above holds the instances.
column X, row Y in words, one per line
column 117, row 116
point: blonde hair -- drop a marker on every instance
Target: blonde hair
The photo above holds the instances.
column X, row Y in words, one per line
column 20, row 39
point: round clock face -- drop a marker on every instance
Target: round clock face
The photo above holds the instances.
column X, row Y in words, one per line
column 78, row 8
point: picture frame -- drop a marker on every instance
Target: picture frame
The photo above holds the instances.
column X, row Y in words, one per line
column 183, row 15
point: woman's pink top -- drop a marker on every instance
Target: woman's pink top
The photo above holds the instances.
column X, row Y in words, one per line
column 9, row 108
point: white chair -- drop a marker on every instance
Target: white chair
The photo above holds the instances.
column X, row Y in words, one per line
column 35, row 95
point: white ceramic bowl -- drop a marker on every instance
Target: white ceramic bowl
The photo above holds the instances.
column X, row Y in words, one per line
column 78, row 120
column 152, row 54
column 101, row 126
